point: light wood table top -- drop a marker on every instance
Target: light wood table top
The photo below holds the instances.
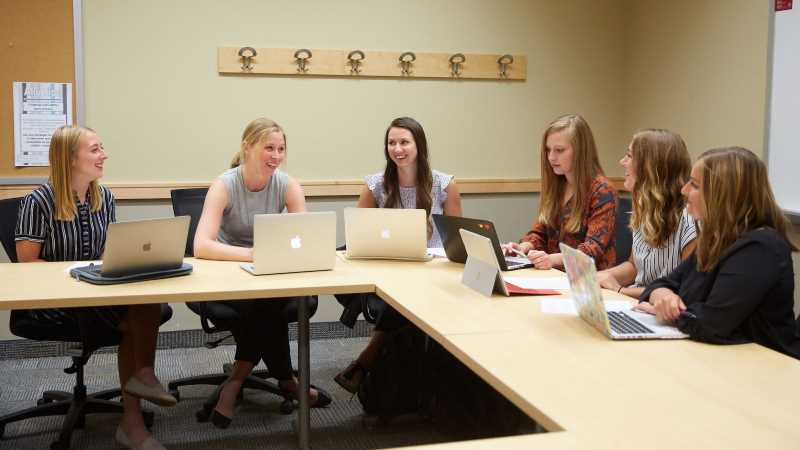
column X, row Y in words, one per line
column 590, row 391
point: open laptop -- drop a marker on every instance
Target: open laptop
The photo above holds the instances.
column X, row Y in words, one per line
column 483, row 271
column 448, row 227
column 616, row 324
column 293, row 242
column 142, row 247
column 386, row 233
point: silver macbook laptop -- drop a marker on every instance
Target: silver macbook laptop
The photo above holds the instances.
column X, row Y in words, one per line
column 386, row 233
column 617, row 324
column 293, row 242
column 144, row 246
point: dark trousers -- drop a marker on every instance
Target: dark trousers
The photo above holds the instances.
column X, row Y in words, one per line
column 262, row 333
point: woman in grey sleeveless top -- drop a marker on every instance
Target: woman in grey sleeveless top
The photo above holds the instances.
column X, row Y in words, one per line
column 225, row 232
column 407, row 182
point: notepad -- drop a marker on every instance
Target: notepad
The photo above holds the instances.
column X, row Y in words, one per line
column 513, row 289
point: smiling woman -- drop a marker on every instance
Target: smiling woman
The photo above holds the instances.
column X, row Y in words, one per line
column 67, row 220
column 254, row 185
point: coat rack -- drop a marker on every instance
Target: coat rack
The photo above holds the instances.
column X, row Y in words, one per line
column 357, row 63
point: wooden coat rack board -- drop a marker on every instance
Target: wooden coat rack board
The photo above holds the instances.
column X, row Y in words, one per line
column 367, row 63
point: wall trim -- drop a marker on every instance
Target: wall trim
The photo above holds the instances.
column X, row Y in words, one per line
column 344, row 188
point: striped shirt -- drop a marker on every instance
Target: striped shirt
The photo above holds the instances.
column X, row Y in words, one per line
column 654, row 263
column 81, row 239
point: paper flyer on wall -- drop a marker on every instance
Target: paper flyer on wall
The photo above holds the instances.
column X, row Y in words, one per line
column 39, row 108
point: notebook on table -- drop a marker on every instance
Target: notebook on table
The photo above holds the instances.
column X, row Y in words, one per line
column 618, row 324
column 448, row 227
column 386, row 233
column 293, row 242
column 140, row 250
column 482, row 263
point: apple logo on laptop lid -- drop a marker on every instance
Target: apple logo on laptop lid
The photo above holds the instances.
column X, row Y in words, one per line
column 385, row 234
column 296, row 242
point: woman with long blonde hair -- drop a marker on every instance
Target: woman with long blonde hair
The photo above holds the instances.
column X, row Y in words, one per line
column 578, row 203
column 657, row 165
column 738, row 286
column 66, row 219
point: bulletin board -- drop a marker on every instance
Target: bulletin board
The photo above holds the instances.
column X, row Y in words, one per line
column 36, row 44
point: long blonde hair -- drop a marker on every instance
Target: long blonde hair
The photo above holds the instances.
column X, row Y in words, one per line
column 585, row 166
column 662, row 165
column 737, row 198
column 63, row 148
column 255, row 131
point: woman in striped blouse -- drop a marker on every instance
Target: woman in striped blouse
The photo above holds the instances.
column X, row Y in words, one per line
column 657, row 165
column 66, row 220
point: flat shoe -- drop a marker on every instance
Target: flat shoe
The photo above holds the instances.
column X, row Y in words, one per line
column 220, row 420
column 323, row 397
column 148, row 444
column 152, row 393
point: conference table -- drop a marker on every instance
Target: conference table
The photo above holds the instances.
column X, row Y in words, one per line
column 587, row 391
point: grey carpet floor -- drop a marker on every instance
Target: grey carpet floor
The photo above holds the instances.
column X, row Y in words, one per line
column 258, row 423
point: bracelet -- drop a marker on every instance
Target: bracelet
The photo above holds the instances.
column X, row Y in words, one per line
column 619, row 291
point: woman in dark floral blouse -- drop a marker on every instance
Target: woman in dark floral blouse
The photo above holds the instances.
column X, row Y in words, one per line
column 578, row 203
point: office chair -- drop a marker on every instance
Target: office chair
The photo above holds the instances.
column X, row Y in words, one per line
column 622, row 234
column 216, row 317
column 77, row 404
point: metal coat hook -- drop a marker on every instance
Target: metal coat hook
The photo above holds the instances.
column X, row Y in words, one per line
column 455, row 64
column 354, row 59
column 505, row 61
column 301, row 58
column 406, row 61
column 247, row 54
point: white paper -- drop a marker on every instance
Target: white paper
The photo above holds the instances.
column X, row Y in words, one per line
column 552, row 305
column 437, row 251
column 39, row 108
column 82, row 264
column 539, row 282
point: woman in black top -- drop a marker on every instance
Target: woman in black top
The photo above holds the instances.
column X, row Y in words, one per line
column 66, row 220
column 738, row 286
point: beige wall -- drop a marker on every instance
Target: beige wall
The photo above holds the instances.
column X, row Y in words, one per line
column 153, row 93
column 698, row 68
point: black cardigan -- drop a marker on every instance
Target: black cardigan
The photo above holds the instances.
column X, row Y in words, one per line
column 747, row 297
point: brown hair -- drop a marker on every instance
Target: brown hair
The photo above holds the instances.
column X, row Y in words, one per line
column 662, row 165
column 63, row 147
column 586, row 166
column 391, row 182
column 737, row 198
column 254, row 132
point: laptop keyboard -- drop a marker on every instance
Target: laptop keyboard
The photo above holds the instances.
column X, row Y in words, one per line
column 622, row 323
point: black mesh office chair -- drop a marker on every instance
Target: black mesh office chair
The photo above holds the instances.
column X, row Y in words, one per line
column 622, row 234
column 218, row 317
column 77, row 404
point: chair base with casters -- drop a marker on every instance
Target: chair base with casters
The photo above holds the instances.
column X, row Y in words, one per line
column 217, row 317
column 75, row 405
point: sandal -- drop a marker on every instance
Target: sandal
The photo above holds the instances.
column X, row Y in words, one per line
column 350, row 378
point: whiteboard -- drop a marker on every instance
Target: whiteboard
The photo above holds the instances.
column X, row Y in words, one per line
column 783, row 121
